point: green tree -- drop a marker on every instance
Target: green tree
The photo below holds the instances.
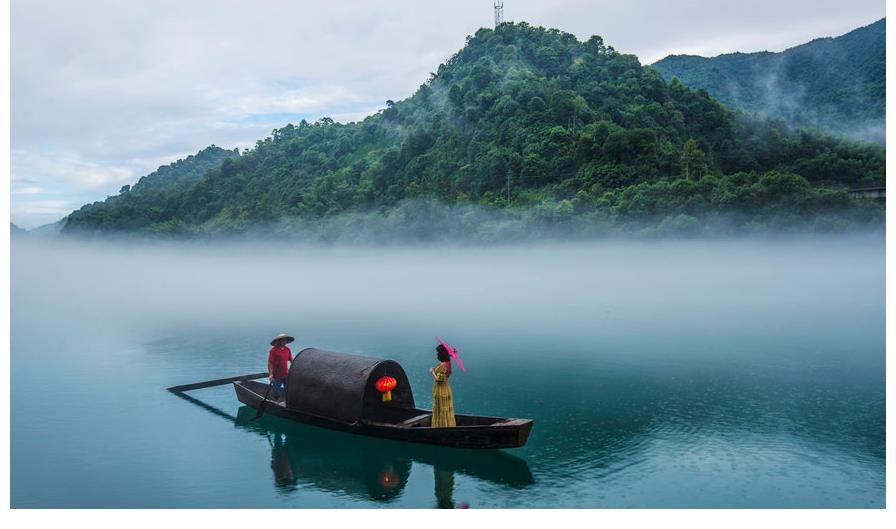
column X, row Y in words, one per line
column 693, row 161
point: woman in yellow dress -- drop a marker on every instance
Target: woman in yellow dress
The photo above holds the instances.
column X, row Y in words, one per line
column 442, row 404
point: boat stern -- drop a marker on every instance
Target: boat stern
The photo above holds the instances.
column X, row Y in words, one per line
column 523, row 428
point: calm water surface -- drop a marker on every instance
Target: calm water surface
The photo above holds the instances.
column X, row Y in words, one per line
column 679, row 374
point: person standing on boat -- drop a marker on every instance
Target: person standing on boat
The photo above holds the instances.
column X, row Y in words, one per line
column 442, row 400
column 278, row 364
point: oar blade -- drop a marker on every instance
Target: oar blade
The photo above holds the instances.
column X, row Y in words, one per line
column 264, row 402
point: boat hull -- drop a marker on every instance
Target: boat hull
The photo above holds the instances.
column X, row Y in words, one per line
column 471, row 432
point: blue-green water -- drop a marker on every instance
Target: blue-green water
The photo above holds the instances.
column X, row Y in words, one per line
column 678, row 374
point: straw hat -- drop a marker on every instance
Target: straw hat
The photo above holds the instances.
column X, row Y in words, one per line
column 282, row 339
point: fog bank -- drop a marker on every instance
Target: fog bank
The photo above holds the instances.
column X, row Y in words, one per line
column 611, row 292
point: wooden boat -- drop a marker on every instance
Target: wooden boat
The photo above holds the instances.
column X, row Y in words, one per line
column 338, row 391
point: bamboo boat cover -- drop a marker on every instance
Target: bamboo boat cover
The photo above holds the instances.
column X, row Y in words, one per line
column 342, row 386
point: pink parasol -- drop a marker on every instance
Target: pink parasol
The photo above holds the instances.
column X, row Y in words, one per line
column 453, row 352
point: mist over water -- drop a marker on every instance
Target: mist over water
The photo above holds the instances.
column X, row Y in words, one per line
column 739, row 373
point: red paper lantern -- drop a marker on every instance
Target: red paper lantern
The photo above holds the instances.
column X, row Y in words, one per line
column 385, row 385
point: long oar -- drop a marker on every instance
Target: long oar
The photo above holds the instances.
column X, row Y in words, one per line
column 264, row 402
column 207, row 407
column 217, row 382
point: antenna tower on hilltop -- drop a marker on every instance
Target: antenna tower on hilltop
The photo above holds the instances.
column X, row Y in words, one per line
column 499, row 12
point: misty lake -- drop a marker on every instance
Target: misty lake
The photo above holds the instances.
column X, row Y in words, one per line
column 659, row 374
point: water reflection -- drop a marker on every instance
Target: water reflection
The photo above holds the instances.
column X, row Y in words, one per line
column 306, row 457
column 369, row 468
column 284, row 477
column 444, row 481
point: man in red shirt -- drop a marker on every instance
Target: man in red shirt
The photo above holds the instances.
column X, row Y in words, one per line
column 278, row 364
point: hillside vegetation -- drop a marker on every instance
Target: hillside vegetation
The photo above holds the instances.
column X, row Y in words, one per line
column 835, row 84
column 588, row 139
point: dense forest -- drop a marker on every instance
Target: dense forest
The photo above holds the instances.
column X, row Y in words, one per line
column 835, row 84
column 525, row 130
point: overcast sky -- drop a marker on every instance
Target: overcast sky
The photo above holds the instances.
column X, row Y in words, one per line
column 104, row 92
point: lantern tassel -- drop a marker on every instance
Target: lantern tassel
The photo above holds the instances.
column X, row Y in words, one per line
column 387, row 396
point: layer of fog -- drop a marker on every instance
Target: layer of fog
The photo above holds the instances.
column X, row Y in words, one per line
column 614, row 293
column 775, row 96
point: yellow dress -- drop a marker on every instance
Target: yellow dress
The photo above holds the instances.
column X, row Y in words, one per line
column 442, row 405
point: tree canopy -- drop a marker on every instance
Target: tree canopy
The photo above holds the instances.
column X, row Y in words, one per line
column 526, row 121
column 834, row 84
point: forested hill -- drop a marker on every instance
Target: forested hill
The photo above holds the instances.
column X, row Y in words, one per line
column 185, row 172
column 586, row 136
column 835, row 84
column 149, row 198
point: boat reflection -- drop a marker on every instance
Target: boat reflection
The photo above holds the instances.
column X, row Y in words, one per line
column 328, row 467
column 444, row 481
column 369, row 468
column 280, row 464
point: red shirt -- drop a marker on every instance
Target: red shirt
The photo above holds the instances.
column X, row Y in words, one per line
column 277, row 361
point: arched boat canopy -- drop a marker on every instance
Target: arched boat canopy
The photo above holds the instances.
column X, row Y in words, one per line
column 342, row 386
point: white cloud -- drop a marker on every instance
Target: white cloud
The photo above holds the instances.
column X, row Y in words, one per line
column 39, row 212
column 59, row 168
column 28, row 190
column 47, row 206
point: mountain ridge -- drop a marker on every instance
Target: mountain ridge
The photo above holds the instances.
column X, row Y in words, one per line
column 836, row 84
column 531, row 122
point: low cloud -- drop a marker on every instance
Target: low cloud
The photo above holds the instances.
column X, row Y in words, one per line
column 68, row 168
column 29, row 190
column 40, row 212
column 44, row 206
